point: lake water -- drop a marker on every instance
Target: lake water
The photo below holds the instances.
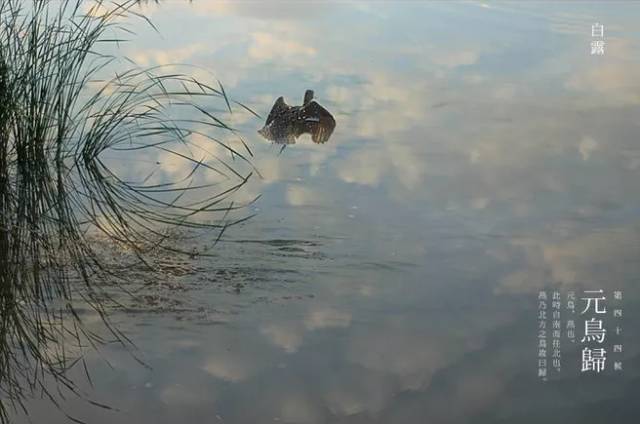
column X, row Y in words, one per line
column 391, row 275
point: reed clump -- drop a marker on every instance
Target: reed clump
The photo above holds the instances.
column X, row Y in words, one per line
column 59, row 118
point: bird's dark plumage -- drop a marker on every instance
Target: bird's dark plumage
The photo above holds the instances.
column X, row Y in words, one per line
column 286, row 123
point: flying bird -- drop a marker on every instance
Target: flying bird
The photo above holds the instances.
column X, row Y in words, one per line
column 286, row 123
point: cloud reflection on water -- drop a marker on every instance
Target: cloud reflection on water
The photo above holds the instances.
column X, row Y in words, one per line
column 481, row 155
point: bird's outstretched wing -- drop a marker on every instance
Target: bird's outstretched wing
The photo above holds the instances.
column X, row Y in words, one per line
column 318, row 122
column 278, row 107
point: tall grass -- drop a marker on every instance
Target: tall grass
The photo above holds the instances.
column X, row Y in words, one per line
column 58, row 118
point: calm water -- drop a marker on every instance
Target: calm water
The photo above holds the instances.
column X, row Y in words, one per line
column 391, row 275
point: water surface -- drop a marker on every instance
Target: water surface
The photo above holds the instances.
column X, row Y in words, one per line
column 391, row 275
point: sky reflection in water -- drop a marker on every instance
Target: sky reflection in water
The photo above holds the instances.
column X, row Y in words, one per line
column 480, row 154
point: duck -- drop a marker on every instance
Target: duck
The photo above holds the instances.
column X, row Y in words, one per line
column 286, row 123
